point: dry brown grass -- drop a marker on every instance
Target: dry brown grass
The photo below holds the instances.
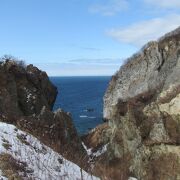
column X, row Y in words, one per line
column 12, row 168
column 163, row 167
column 6, row 144
column 22, row 138
column 114, row 169
column 172, row 127
column 170, row 95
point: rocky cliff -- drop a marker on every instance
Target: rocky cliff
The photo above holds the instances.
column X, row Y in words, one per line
column 24, row 90
column 154, row 68
column 26, row 100
column 142, row 106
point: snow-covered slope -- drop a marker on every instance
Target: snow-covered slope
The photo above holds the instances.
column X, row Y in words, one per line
column 39, row 161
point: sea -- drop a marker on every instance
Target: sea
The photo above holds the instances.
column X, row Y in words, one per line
column 83, row 98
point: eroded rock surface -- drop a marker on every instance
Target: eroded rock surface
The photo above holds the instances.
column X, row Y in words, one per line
column 24, row 90
column 142, row 106
column 26, row 100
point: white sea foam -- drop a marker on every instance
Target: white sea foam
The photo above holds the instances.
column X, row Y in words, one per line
column 91, row 117
column 83, row 116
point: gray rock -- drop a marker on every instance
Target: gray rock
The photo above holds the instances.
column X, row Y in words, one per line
column 142, row 105
column 24, row 90
column 26, row 99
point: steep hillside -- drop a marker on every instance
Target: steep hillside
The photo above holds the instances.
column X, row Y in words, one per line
column 26, row 100
column 23, row 156
column 154, row 68
column 142, row 104
column 24, row 90
column 142, row 107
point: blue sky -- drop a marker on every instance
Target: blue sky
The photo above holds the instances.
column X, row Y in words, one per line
column 82, row 37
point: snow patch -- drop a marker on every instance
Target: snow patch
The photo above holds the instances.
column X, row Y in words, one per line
column 42, row 160
column 29, row 95
column 89, row 151
column 132, row 178
column 98, row 153
column 2, row 177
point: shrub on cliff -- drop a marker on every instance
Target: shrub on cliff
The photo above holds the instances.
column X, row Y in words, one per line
column 13, row 59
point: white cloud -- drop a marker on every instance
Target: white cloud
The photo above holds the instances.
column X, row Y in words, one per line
column 164, row 3
column 104, row 61
column 77, row 69
column 109, row 7
column 142, row 32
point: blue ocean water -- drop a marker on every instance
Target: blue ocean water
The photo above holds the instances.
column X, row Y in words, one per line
column 83, row 98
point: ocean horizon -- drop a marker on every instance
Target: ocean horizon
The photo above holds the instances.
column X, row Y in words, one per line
column 82, row 96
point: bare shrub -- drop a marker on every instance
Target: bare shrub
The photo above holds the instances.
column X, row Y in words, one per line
column 11, row 167
column 15, row 60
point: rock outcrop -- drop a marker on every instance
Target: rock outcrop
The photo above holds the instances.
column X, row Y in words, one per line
column 94, row 139
column 24, row 90
column 154, row 68
column 142, row 106
column 26, row 100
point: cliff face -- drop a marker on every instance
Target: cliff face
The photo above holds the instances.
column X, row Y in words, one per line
column 155, row 67
column 26, row 100
column 24, row 90
column 142, row 105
